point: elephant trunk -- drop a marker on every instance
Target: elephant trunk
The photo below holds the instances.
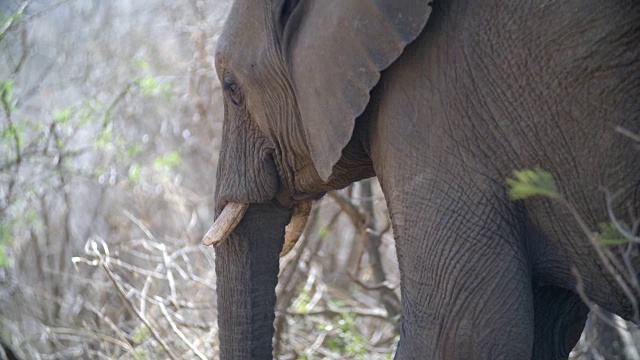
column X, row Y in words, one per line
column 247, row 267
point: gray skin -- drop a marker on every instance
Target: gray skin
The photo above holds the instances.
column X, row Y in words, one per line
column 441, row 102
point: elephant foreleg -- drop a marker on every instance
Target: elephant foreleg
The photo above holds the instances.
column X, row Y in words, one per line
column 465, row 281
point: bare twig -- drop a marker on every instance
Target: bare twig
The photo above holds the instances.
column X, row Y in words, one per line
column 111, row 325
column 349, row 208
column 379, row 286
column 607, row 259
column 595, row 309
column 614, row 220
column 13, row 19
column 330, row 312
column 627, row 133
column 89, row 334
column 104, row 263
column 45, row 11
column 372, row 242
column 316, row 344
column 180, row 333
column 140, row 225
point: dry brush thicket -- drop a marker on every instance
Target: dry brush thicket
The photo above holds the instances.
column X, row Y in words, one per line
column 110, row 124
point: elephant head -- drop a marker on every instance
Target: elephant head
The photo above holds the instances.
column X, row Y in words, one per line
column 296, row 75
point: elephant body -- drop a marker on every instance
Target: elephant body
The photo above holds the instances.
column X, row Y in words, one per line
column 488, row 268
column 442, row 118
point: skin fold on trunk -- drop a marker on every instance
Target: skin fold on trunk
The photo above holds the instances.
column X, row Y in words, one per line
column 247, row 266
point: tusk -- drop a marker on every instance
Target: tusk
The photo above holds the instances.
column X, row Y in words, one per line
column 294, row 230
column 225, row 223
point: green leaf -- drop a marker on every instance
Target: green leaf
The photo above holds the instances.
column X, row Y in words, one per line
column 324, row 232
column 610, row 236
column 12, row 134
column 527, row 183
column 303, row 300
column 149, row 86
column 135, row 173
column 141, row 334
column 62, row 116
column 6, row 95
column 168, row 161
column 134, row 150
column 152, row 87
column 105, row 137
column 89, row 111
column 140, row 354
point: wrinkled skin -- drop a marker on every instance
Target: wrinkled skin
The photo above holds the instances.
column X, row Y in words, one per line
column 441, row 104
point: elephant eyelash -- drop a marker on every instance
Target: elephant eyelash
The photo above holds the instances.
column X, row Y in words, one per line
column 234, row 93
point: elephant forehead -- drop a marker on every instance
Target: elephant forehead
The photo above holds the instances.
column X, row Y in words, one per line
column 244, row 39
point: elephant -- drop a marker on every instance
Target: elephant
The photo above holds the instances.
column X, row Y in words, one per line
column 440, row 100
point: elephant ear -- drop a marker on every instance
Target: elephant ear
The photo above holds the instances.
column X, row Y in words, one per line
column 336, row 50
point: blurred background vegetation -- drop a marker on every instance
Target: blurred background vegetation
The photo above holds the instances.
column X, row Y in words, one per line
column 110, row 124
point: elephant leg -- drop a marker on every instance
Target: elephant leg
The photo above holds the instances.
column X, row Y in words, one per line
column 465, row 279
column 559, row 318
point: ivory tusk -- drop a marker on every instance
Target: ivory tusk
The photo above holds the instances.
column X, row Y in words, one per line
column 225, row 223
column 294, row 230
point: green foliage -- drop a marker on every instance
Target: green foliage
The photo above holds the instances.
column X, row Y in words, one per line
column 30, row 218
column 6, row 96
column 324, row 232
column 61, row 117
column 152, row 87
column 54, row 139
column 140, row 354
column 12, row 135
column 5, row 241
column 538, row 182
column 134, row 150
column 168, row 161
column 6, row 22
column 90, row 111
column 610, row 236
column 345, row 339
column 141, row 334
column 355, row 343
column 303, row 300
column 104, row 139
column 134, row 174
column 527, row 183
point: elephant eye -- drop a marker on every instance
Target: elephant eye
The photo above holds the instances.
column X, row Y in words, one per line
column 234, row 93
